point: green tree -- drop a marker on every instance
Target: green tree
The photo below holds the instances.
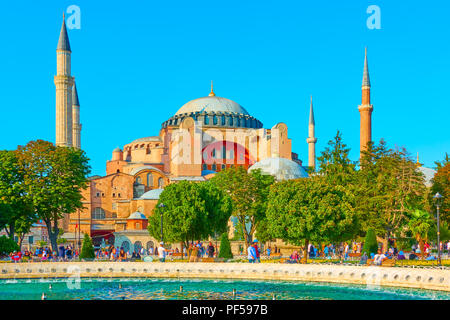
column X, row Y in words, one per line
column 311, row 210
column 420, row 224
column 16, row 211
column 441, row 184
column 335, row 164
column 7, row 245
column 53, row 179
column 87, row 250
column 262, row 231
column 248, row 193
column 390, row 189
column 193, row 211
column 225, row 247
column 370, row 242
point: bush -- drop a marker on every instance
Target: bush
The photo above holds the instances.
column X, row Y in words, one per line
column 225, row 247
column 370, row 243
column 87, row 251
column 7, row 245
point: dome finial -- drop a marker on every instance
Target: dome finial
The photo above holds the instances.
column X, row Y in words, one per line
column 212, row 94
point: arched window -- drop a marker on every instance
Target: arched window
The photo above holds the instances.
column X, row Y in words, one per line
column 213, row 153
column 126, row 246
column 137, row 226
column 214, row 167
column 160, row 183
column 98, row 213
column 149, row 180
column 214, row 120
column 238, row 122
column 150, row 244
column 206, row 119
column 205, row 166
column 137, row 246
column 230, row 120
column 139, row 180
column 223, row 120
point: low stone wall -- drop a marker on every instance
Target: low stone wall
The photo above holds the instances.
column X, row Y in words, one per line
column 433, row 279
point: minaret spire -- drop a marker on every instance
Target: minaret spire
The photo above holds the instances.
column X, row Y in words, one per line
column 64, row 83
column 63, row 43
column 366, row 77
column 76, row 126
column 365, row 109
column 311, row 140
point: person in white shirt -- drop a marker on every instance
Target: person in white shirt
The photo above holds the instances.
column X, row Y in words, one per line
column 379, row 258
column 162, row 252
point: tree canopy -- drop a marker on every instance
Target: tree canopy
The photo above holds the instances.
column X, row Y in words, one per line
column 248, row 193
column 311, row 210
column 192, row 211
column 53, row 180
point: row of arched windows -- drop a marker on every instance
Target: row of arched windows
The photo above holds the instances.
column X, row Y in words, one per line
column 149, row 181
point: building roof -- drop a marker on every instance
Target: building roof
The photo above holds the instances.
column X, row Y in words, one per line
column 137, row 216
column 152, row 194
column 188, row 178
column 63, row 43
column 147, row 139
column 212, row 103
column 280, row 168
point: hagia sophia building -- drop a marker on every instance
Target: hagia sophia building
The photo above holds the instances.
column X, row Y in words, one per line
column 204, row 136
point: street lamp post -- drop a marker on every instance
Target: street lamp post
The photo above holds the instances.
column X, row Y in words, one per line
column 437, row 198
column 162, row 206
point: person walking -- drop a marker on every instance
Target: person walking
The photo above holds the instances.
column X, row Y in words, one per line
column 257, row 251
column 210, row 250
column 162, row 252
column 251, row 254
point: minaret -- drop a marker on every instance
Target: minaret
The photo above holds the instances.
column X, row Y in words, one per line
column 311, row 139
column 64, row 83
column 365, row 109
column 76, row 126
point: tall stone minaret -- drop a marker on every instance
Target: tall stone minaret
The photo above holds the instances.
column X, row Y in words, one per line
column 76, row 126
column 365, row 110
column 64, row 83
column 311, row 139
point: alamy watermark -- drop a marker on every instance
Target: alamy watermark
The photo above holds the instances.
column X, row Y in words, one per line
column 73, row 17
column 374, row 20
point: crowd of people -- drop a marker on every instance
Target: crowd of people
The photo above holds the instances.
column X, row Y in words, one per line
column 64, row 253
column 197, row 250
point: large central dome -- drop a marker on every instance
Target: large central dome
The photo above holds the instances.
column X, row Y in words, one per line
column 212, row 104
column 216, row 112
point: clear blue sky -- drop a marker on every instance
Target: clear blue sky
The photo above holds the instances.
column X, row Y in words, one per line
column 137, row 62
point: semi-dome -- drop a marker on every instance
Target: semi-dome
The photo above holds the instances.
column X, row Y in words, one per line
column 212, row 104
column 137, row 216
column 280, row 168
column 152, row 194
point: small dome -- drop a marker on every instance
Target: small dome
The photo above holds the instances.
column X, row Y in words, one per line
column 212, row 104
column 429, row 175
column 117, row 150
column 152, row 194
column 137, row 216
column 280, row 168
